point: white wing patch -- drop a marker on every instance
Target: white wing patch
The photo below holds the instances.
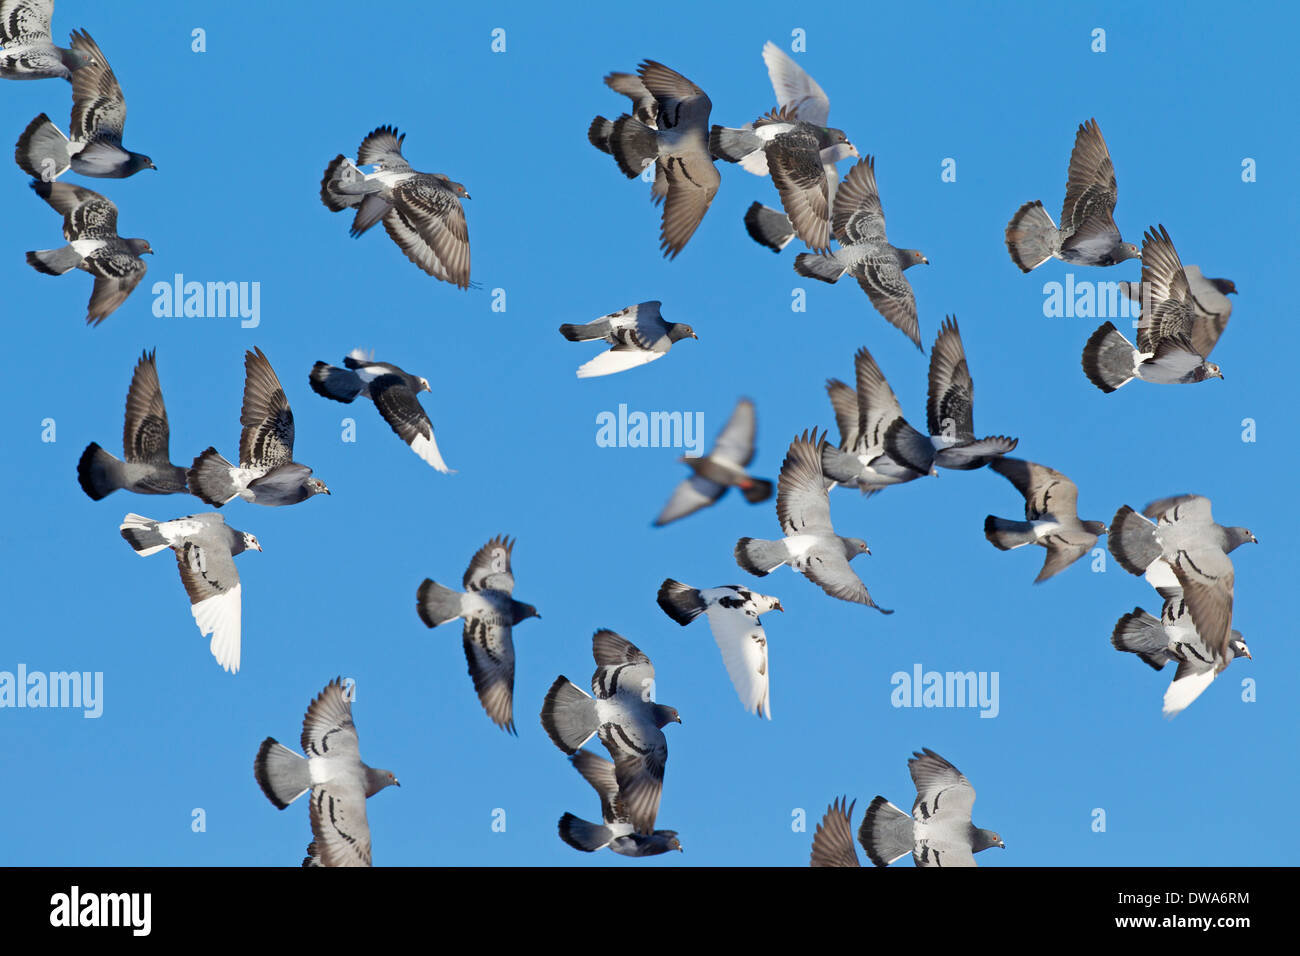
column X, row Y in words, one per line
column 1185, row 690
column 743, row 644
column 427, row 448
column 617, row 360
column 219, row 616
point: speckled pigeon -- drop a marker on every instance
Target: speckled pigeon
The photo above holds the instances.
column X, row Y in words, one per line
column 722, row 468
column 1051, row 516
column 421, row 211
column 340, row 783
column 858, row 223
column 267, row 473
column 617, row 832
column 1088, row 235
column 939, row 831
column 638, row 334
column 1211, row 307
column 90, row 226
column 490, row 615
column 29, row 52
column 205, row 547
column 394, row 392
column 94, row 145
column 625, row 717
column 733, row 614
column 147, row 469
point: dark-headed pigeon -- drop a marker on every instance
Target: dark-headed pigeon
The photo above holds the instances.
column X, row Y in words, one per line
column 722, row 468
column 637, row 334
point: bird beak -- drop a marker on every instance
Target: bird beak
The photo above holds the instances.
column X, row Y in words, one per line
column 694, row 336
column 778, row 607
column 925, row 260
column 679, row 718
column 1248, row 657
column 396, row 782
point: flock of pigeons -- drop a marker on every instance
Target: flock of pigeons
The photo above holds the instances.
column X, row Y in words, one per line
column 1174, row 542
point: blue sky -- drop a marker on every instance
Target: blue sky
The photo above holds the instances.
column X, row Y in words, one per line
column 241, row 134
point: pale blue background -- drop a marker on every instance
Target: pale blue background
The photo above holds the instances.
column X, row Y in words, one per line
column 241, row 135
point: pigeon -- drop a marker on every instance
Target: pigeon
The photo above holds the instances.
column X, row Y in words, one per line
column 333, row 771
column 90, row 226
column 858, row 222
column 267, row 473
column 866, row 418
column 616, row 832
column 678, row 145
column 637, row 333
column 1165, row 353
column 1210, row 306
column 1173, row 637
column 147, row 469
column 394, row 392
column 733, row 614
column 29, row 53
column 722, row 468
column 645, row 109
column 1175, row 543
column 833, row 839
column 94, row 144
column 205, row 547
column 624, row 716
column 798, row 92
column 1051, row 516
column 939, row 832
column 490, row 615
column 810, row 545
column 421, row 211
column 793, row 150
column 948, row 412
column 1088, row 235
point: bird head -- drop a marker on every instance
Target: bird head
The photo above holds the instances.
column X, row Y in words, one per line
column 250, row 541
column 854, row 547
column 377, row 780
column 316, row 487
column 424, row 386
column 912, row 257
column 1238, row 647
column 1225, row 286
column 987, row 838
column 680, row 330
column 1128, row 251
column 137, row 162
column 527, row 611
column 140, row 247
column 665, row 715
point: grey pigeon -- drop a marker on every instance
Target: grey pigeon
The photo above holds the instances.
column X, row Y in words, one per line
column 1211, row 307
column 1173, row 637
column 94, row 144
column 833, row 839
column 1165, row 353
column 29, row 53
column 490, row 615
column 624, row 716
column 1176, row 543
column 868, row 417
column 722, row 468
column 638, row 334
column 147, row 469
column 645, row 109
column 939, row 831
column 267, row 473
column 616, row 832
column 205, row 547
column 394, row 392
column 90, row 226
column 678, row 145
column 733, row 614
column 810, row 545
column 799, row 93
column 340, row 783
column 1088, row 235
column 793, row 149
column 949, row 413
column 1051, row 516
column 858, row 222
column 421, row 211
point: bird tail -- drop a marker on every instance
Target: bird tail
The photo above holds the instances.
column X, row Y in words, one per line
column 733, row 145
column 584, row 836
column 585, row 333
column 1031, row 236
column 886, row 832
column 839, row 466
column 99, row 473
column 568, row 715
column 1139, row 633
column 283, row 775
column 211, row 478
column 680, row 601
column 634, row 145
column 813, row 265
column 599, row 132
column 42, row 150
column 142, row 534
column 758, row 557
column 758, row 489
column 437, row 604
column 1108, row 358
column 909, row 447
column 338, row 384
column 768, row 227
column 1132, row 540
column 54, row 262
column 340, row 170
column 1005, row 535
